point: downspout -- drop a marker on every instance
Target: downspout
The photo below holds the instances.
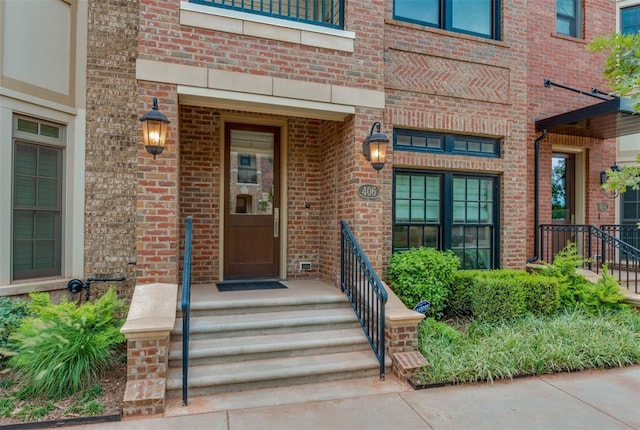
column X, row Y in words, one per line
column 536, row 202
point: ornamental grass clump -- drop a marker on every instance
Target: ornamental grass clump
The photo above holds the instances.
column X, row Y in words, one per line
column 59, row 349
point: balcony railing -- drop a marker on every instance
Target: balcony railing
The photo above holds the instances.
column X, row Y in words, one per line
column 327, row 13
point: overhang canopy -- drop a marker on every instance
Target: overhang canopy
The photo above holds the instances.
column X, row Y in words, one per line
column 611, row 118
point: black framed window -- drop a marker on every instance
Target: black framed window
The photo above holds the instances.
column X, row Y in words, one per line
column 476, row 17
column 37, row 210
column 414, row 140
column 447, row 210
column 247, row 170
column 630, row 20
column 569, row 17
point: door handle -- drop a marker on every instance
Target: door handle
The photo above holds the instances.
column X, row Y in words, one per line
column 276, row 222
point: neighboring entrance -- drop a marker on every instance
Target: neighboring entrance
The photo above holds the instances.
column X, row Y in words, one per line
column 252, row 201
column 563, row 197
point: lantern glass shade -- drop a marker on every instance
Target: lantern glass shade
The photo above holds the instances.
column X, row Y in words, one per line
column 377, row 153
column 154, row 135
column 154, row 130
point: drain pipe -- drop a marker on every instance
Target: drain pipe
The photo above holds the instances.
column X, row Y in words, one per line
column 536, row 204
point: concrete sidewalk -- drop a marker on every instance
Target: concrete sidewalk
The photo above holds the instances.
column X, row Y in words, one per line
column 599, row 399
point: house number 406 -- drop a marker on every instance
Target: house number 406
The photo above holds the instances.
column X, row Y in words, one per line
column 368, row 191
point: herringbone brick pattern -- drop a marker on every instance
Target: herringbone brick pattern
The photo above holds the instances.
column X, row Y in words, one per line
column 446, row 77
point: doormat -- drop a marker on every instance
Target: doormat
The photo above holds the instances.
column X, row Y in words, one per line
column 247, row 286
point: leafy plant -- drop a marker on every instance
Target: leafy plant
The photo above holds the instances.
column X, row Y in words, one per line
column 498, row 299
column 34, row 411
column 423, row 274
column 7, row 406
column 567, row 341
column 62, row 348
column 12, row 312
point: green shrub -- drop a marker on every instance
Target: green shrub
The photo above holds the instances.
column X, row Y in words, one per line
column 498, row 299
column 32, row 411
column 62, row 348
column 7, row 406
column 459, row 301
column 542, row 294
column 423, row 274
column 12, row 312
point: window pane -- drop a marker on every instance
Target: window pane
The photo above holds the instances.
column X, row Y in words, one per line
column 25, row 191
column 486, row 190
column 402, row 210
column 563, row 26
column 417, row 187
column 432, row 237
column 472, row 15
column 28, row 126
column 427, row 11
column 473, row 189
column 45, row 225
column 22, row 225
column 44, row 256
column 48, row 163
column 22, row 255
column 402, row 187
column 26, row 159
column 419, row 141
column 415, row 237
column 566, row 8
column 433, row 211
column 459, row 189
column 474, row 146
column 458, row 212
column 460, row 145
column 488, row 148
column 400, row 237
column 50, row 131
column 433, row 142
column 433, row 187
column 47, row 193
column 486, row 212
column 403, row 140
column 473, row 212
column 417, row 210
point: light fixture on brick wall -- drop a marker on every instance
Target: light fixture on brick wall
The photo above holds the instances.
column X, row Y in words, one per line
column 604, row 176
column 154, row 130
column 374, row 147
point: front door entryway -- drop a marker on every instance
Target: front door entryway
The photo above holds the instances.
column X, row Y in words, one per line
column 563, row 200
column 252, row 201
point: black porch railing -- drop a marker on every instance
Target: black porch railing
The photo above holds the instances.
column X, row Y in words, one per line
column 597, row 246
column 327, row 13
column 359, row 281
column 186, row 308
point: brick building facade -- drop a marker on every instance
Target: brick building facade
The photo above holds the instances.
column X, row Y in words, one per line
column 459, row 103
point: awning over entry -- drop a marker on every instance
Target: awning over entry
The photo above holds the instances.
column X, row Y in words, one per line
column 611, row 118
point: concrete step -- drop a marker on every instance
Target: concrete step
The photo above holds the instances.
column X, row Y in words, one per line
column 220, row 378
column 252, row 305
column 221, row 326
column 246, row 348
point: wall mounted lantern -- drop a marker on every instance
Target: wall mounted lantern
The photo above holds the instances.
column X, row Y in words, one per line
column 154, row 130
column 374, row 147
column 604, row 176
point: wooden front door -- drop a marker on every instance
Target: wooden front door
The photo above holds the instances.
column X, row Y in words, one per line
column 252, row 201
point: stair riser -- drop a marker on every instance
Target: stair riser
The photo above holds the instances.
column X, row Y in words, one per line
column 234, row 358
column 177, row 337
column 217, row 389
column 259, row 308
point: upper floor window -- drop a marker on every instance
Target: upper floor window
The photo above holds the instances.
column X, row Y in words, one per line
column 569, row 17
column 328, row 13
column 476, row 17
column 630, row 20
column 413, row 140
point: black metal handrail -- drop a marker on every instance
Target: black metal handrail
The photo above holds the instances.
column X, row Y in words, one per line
column 359, row 281
column 597, row 247
column 186, row 308
column 327, row 13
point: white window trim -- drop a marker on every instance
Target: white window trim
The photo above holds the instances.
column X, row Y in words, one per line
column 72, row 193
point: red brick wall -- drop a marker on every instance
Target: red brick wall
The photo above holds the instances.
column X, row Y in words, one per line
column 567, row 61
